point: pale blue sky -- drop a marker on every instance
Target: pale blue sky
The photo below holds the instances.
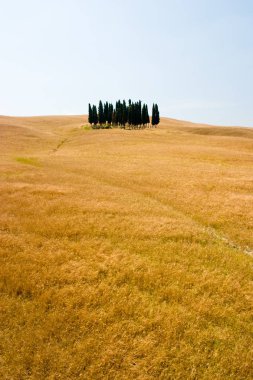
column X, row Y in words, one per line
column 193, row 57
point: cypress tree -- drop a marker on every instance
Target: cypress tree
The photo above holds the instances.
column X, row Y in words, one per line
column 134, row 114
column 143, row 115
column 124, row 113
column 118, row 113
column 157, row 115
column 153, row 115
column 115, row 114
column 147, row 116
column 130, row 113
column 106, row 112
column 110, row 111
column 114, row 118
column 101, row 117
column 139, row 118
column 90, row 117
column 94, row 115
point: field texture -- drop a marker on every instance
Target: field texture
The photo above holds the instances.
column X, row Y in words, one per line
column 125, row 254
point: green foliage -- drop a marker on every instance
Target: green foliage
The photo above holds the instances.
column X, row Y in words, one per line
column 101, row 126
column 86, row 127
column 28, row 161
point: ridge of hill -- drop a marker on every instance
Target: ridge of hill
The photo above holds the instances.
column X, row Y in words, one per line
column 71, row 121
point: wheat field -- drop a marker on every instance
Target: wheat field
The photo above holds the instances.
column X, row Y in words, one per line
column 125, row 254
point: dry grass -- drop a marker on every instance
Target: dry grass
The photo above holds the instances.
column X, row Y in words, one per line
column 123, row 253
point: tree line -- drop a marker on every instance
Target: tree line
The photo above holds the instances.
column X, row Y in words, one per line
column 132, row 115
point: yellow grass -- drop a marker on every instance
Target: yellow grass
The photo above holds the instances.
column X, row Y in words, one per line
column 125, row 254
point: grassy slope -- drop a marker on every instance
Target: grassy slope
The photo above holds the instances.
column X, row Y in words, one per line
column 122, row 253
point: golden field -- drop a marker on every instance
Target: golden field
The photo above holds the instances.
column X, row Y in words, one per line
column 125, row 254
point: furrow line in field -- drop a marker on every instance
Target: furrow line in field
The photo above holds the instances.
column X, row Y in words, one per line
column 212, row 232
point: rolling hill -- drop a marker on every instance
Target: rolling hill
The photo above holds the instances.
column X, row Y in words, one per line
column 125, row 254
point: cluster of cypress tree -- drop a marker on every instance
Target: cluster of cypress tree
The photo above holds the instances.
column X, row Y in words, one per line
column 134, row 115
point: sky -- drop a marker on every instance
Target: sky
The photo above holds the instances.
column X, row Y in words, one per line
column 192, row 57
